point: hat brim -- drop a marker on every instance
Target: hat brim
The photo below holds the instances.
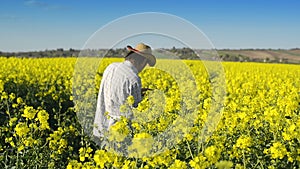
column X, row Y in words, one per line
column 151, row 58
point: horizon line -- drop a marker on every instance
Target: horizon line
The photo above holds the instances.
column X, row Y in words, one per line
column 218, row 49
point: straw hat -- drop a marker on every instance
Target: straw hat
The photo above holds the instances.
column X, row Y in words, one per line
column 143, row 50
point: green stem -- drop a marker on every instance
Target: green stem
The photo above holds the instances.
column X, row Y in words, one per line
column 244, row 161
column 17, row 160
column 190, row 149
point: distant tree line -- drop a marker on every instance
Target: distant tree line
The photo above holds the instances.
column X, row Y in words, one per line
column 180, row 53
column 242, row 58
column 60, row 52
column 183, row 53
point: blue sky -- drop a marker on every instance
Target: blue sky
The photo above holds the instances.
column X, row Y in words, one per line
column 27, row 25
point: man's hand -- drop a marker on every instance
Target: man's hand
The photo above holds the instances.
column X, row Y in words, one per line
column 144, row 90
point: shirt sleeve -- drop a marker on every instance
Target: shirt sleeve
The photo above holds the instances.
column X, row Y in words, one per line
column 135, row 91
column 100, row 122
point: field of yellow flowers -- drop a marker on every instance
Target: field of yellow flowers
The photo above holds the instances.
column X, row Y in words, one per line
column 41, row 123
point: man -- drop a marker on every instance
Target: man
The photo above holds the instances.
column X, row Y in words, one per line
column 119, row 81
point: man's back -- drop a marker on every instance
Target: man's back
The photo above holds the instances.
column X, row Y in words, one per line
column 119, row 81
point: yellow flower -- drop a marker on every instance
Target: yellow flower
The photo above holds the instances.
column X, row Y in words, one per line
column 12, row 121
column 33, row 126
column 10, row 141
column 136, row 126
column 130, row 100
column 178, row 164
column 102, row 158
column 29, row 112
column 286, row 136
column 243, row 142
column 224, row 164
column 21, row 147
column 212, row 153
column 73, row 164
column 43, row 117
column 21, row 129
column 12, row 96
column 119, row 131
column 4, row 96
column 239, row 166
column 82, row 154
column 129, row 164
column 141, row 144
column 277, row 150
column 85, row 152
column 29, row 141
column 189, row 137
column 19, row 100
column 199, row 162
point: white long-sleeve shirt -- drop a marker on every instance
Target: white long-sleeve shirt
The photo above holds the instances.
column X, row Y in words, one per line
column 119, row 81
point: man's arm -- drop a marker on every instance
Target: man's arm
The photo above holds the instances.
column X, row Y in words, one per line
column 136, row 92
column 144, row 90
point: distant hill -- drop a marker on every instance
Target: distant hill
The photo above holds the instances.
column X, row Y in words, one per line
column 241, row 55
column 265, row 55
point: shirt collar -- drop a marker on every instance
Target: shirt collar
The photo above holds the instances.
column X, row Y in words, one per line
column 129, row 64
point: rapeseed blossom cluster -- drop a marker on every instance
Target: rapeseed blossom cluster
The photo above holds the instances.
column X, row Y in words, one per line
column 258, row 124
